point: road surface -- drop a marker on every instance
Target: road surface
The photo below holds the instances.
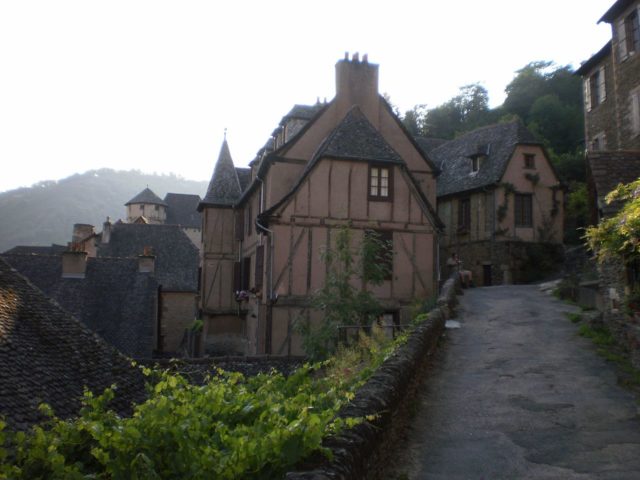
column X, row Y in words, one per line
column 516, row 394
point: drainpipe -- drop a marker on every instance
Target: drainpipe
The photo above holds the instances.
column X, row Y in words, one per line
column 270, row 295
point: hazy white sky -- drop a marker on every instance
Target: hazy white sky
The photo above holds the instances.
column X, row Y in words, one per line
column 151, row 85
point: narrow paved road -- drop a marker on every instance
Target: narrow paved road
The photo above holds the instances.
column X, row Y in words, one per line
column 517, row 394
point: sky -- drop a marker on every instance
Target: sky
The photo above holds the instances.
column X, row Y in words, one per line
column 152, row 85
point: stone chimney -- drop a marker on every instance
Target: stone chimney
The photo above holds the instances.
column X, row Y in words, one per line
column 81, row 231
column 106, row 231
column 147, row 261
column 356, row 82
column 74, row 263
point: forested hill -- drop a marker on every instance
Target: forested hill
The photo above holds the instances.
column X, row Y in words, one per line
column 45, row 213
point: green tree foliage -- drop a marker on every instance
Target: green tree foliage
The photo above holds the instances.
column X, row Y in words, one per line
column 344, row 298
column 232, row 427
column 576, row 213
column 619, row 236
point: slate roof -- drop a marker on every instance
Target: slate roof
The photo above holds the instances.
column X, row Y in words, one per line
column 355, row 138
column 146, row 196
column 454, row 157
column 53, row 249
column 177, row 258
column 114, row 300
column 182, row 209
column 304, row 112
column 607, row 169
column 224, row 188
column 427, row 144
column 46, row 355
column 615, row 10
column 244, row 177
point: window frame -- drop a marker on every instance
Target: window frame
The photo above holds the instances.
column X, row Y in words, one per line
column 529, row 161
column 523, row 210
column 464, row 214
column 377, row 196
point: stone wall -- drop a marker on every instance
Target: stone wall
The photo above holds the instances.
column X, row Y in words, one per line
column 362, row 451
column 506, row 261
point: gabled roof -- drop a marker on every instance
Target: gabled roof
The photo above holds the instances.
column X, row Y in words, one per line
column 46, row 355
column 607, row 169
column 114, row 300
column 303, row 112
column 427, row 144
column 36, row 250
column 177, row 258
column 224, row 188
column 586, row 67
column 615, row 10
column 356, row 139
column 454, row 157
column 146, row 196
column 182, row 209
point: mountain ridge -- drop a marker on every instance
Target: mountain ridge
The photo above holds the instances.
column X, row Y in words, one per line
column 45, row 212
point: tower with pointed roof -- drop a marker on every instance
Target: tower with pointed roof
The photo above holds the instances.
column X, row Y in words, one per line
column 146, row 207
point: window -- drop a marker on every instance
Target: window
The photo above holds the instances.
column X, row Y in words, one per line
column 523, row 210
column 380, row 183
column 384, row 257
column 628, row 35
column 475, row 164
column 595, row 89
column 598, row 142
column 464, row 215
column 529, row 160
column 141, row 208
column 156, row 208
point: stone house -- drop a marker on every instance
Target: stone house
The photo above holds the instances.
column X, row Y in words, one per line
column 499, row 198
column 116, row 298
column 47, row 355
column 349, row 162
column 611, row 81
column 176, row 209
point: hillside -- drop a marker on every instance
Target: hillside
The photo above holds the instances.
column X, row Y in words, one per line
column 45, row 213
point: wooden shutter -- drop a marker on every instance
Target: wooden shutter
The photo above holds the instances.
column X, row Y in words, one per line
column 259, row 266
column 246, row 273
column 587, row 93
column 237, row 276
column 239, row 225
column 622, row 41
column 635, row 111
column 602, row 89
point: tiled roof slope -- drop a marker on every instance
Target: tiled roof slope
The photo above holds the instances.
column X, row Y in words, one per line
column 182, row 209
column 609, row 168
column 427, row 144
column 453, row 157
column 177, row 258
column 37, row 250
column 244, row 177
column 224, row 188
column 146, row 196
column 356, row 138
column 304, row 112
column 114, row 300
column 46, row 355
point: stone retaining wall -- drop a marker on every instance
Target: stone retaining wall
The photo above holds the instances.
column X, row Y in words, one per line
column 361, row 452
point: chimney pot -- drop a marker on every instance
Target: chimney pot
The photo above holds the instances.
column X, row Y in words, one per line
column 346, row 55
column 365, row 58
column 356, row 57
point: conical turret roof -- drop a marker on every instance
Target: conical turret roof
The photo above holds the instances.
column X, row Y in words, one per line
column 224, row 188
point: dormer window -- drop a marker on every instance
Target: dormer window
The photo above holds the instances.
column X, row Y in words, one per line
column 475, row 164
column 629, row 35
column 529, row 161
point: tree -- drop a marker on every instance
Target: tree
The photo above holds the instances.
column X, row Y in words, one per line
column 619, row 236
column 345, row 299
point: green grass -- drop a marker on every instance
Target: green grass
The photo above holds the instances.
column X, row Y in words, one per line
column 599, row 336
column 574, row 317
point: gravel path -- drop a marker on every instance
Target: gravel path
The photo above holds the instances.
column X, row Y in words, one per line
column 517, row 394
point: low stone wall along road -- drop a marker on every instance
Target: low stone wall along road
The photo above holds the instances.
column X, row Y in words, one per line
column 516, row 393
